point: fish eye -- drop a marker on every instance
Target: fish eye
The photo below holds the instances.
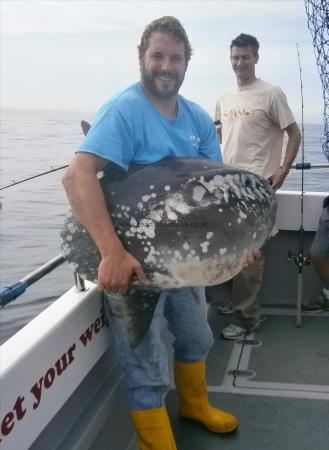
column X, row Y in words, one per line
column 248, row 182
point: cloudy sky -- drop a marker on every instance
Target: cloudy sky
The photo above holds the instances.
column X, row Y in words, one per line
column 73, row 55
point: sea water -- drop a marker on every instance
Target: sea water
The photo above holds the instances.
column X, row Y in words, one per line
column 32, row 212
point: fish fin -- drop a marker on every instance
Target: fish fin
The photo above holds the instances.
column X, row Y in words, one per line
column 85, row 127
column 273, row 232
column 140, row 304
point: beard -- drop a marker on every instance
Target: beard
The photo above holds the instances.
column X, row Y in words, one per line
column 159, row 88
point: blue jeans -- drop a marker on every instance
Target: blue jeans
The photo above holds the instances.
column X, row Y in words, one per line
column 146, row 367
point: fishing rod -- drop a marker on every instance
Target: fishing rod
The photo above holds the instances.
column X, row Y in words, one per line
column 33, row 176
column 14, row 290
column 300, row 259
column 85, row 128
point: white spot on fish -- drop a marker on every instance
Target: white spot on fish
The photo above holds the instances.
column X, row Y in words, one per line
column 222, row 251
column 146, row 198
column 150, row 257
column 198, row 193
column 177, row 203
column 171, row 215
column 214, row 184
column 72, row 228
column 186, row 246
column 156, row 215
column 209, row 235
column 204, row 246
column 66, row 249
column 148, row 228
column 140, row 205
column 133, row 222
column 177, row 255
column 167, row 188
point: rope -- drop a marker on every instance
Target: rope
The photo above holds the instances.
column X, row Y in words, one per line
column 318, row 23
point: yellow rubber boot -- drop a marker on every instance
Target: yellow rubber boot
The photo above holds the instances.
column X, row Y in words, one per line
column 153, row 429
column 190, row 379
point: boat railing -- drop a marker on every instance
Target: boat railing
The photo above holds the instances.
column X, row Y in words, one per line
column 308, row 166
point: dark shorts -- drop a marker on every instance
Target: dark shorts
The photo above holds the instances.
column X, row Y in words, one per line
column 320, row 244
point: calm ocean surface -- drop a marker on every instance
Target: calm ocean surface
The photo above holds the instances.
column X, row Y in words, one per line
column 33, row 212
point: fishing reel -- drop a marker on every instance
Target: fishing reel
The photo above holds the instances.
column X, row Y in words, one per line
column 299, row 259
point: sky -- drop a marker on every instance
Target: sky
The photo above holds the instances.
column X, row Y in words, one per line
column 73, row 55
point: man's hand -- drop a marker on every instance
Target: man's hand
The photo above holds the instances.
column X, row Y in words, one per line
column 116, row 270
column 254, row 256
column 278, row 177
column 294, row 138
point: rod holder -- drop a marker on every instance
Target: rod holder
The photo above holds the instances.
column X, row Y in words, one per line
column 79, row 282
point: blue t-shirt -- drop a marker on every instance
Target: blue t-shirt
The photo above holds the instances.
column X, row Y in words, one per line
column 129, row 129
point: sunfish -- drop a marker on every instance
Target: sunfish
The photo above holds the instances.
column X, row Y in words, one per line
column 189, row 221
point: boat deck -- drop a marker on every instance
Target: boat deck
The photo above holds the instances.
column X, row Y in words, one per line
column 282, row 403
column 281, row 395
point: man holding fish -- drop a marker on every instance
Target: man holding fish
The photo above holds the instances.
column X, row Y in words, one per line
column 143, row 124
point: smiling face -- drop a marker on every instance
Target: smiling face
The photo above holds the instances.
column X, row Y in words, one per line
column 163, row 66
column 243, row 60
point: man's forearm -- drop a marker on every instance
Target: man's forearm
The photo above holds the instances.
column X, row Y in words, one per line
column 293, row 143
column 88, row 204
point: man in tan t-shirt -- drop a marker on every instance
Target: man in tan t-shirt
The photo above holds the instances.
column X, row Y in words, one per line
column 253, row 118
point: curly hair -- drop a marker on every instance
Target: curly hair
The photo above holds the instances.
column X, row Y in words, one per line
column 169, row 25
column 246, row 40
